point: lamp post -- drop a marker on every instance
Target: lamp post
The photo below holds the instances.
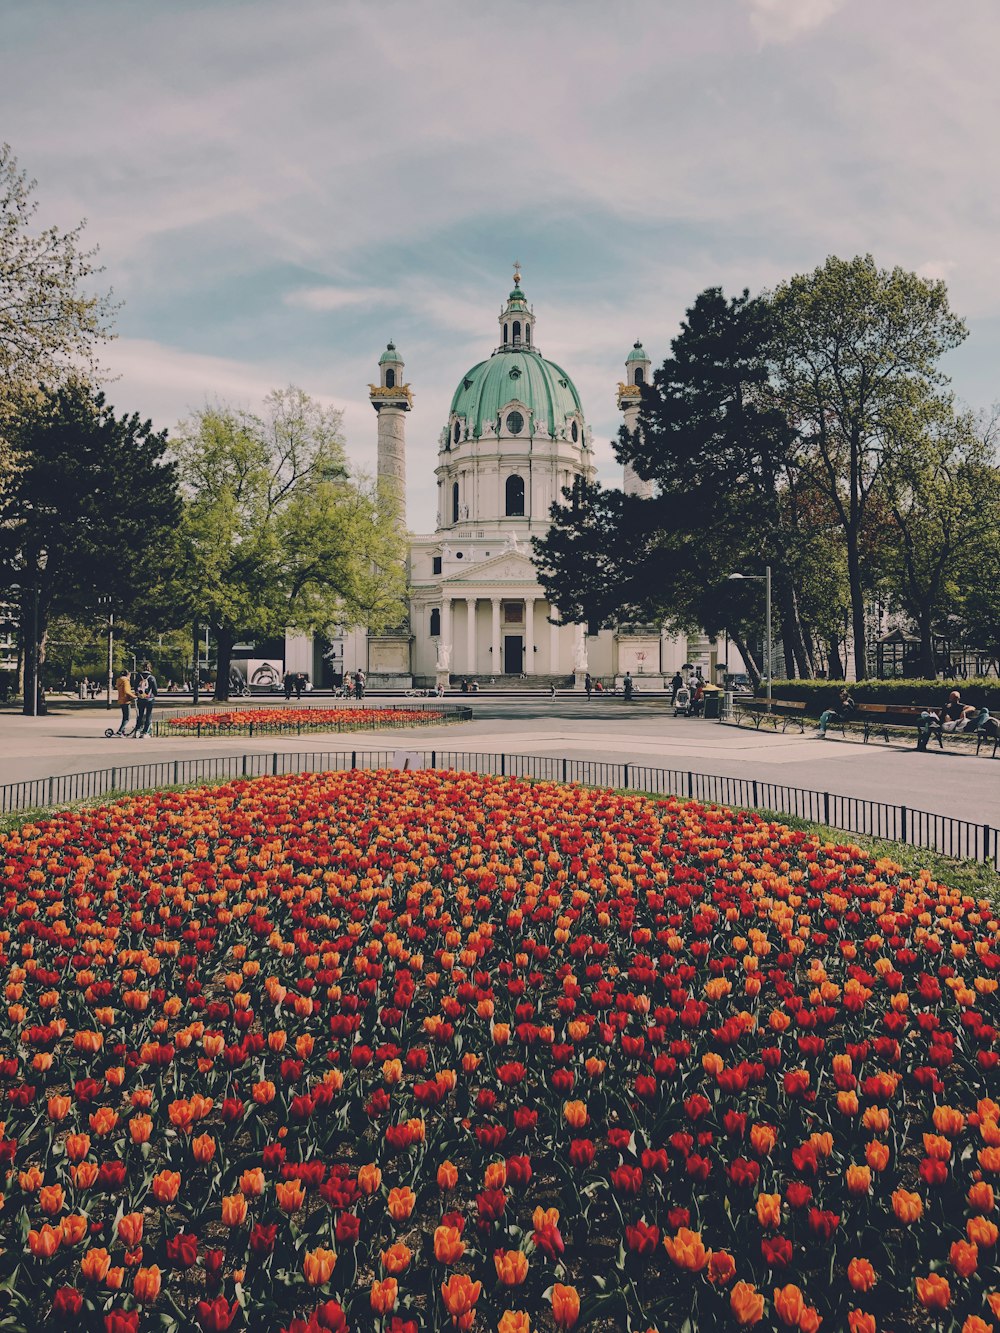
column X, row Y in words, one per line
column 40, row 563
column 764, row 578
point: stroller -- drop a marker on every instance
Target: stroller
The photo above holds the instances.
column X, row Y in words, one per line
column 682, row 702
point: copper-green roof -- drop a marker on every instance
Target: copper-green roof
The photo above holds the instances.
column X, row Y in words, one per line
column 390, row 354
column 636, row 354
column 523, row 375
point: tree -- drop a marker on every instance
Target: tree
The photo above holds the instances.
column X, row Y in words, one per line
column 275, row 533
column 88, row 511
column 856, row 358
column 48, row 322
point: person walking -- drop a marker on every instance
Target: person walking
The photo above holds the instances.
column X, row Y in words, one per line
column 676, row 683
column 300, row 681
column 627, row 686
column 287, row 682
column 146, row 692
column 588, row 685
column 126, row 696
column 359, row 683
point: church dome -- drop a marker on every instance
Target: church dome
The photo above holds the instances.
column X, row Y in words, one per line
column 520, row 376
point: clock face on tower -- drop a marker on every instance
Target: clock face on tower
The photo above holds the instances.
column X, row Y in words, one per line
column 515, row 423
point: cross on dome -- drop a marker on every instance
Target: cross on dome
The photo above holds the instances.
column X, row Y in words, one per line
column 517, row 272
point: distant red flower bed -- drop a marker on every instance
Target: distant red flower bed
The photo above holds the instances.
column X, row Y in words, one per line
column 420, row 1051
column 316, row 719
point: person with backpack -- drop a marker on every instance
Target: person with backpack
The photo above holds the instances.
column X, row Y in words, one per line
column 126, row 697
column 146, row 692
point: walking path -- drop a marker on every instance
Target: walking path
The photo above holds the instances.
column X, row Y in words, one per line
column 72, row 740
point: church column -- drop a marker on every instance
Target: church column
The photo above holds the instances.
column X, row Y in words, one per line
column 496, row 664
column 446, row 622
column 470, row 635
column 529, row 636
column 553, row 641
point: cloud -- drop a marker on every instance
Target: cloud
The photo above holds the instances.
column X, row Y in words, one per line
column 785, row 20
column 337, row 298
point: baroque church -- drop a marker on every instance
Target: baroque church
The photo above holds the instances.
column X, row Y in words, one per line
column 515, row 437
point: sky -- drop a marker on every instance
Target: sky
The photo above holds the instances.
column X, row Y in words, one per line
column 279, row 188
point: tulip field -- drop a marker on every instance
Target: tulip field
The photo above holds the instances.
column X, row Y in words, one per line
column 416, row 1051
column 273, row 721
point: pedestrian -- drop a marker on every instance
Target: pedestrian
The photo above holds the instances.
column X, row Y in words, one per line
column 287, row 682
column 845, row 707
column 126, row 695
column 300, row 681
column 627, row 686
column 676, row 683
column 359, row 683
column 588, row 684
column 146, row 692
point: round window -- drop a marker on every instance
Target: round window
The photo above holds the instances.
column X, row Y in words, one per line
column 458, row 555
column 515, row 423
column 575, row 432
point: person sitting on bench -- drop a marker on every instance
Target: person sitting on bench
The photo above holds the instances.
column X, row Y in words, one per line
column 954, row 716
column 845, row 707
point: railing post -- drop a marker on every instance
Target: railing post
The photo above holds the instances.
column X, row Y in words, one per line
column 756, row 802
column 274, row 764
column 503, row 765
column 51, row 785
column 564, row 770
column 176, row 772
column 354, row 758
column 826, row 808
column 690, row 785
column 986, row 842
column 244, row 765
column 902, row 823
column 114, row 778
column 434, row 759
column 625, row 782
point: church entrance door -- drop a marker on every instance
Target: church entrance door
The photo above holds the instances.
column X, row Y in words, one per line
column 513, row 654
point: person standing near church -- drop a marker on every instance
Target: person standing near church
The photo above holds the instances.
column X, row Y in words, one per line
column 146, row 692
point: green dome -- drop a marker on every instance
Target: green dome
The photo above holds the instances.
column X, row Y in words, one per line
column 523, row 375
column 390, row 354
column 636, row 354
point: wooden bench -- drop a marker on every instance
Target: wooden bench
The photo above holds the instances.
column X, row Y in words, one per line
column 880, row 717
column 782, row 710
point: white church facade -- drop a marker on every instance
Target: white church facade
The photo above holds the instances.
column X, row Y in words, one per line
column 515, row 437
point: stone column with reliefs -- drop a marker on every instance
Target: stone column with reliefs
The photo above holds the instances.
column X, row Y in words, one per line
column 496, row 664
column 470, row 635
column 553, row 641
column 529, row 636
column 391, row 399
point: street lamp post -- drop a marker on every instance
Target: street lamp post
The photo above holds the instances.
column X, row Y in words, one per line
column 36, row 648
column 764, row 578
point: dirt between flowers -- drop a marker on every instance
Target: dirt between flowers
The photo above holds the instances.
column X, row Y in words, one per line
column 417, row 1051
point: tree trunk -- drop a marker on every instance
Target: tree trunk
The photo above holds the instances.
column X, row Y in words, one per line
column 928, row 666
column 836, row 671
column 796, row 658
column 224, row 652
column 858, row 627
column 34, row 618
column 753, row 669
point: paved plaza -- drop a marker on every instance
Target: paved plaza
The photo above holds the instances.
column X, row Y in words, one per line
column 71, row 739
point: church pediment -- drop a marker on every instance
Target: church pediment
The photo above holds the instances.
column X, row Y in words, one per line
column 510, row 566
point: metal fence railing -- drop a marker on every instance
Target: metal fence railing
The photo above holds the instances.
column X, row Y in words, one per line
column 959, row 838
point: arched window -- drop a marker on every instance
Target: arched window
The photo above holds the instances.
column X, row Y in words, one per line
column 505, row 334
column 454, row 502
column 640, row 378
column 458, row 432
column 517, row 333
column 575, row 432
column 390, row 379
column 435, row 623
column 515, row 495
column 527, row 335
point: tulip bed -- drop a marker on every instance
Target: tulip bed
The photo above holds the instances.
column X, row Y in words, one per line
column 274, row 721
column 421, row 1051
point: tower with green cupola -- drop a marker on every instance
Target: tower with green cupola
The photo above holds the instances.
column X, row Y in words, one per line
column 392, row 399
column 637, row 368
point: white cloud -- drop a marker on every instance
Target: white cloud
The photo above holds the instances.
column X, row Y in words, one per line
column 784, row 20
column 337, row 298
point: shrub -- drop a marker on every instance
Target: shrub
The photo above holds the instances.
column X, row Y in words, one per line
column 820, row 694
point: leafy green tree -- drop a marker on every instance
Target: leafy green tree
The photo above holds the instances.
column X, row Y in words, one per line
column 88, row 513
column 275, row 532
column 856, row 358
column 49, row 322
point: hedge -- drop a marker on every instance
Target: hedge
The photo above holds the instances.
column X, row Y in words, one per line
column 820, row 694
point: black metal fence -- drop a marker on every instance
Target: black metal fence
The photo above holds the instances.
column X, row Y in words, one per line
column 958, row 838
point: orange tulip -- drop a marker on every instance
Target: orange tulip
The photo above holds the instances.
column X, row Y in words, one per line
column 130, row 1229
column 763, row 1138
column 948, row 1120
column 369, row 1178
column 234, row 1210
column 401, row 1203
column 858, row 1321
column 95, row 1264
column 877, row 1155
column 447, row 1176
column 575, row 1114
column 74, row 1228
column 861, row 1275
column 103, row 1121
column 203, row 1148
column 448, row 1245
column 907, row 1206
column 166, row 1185
column 252, row 1182
column 318, row 1266
column 769, row 1210
column 934, row 1292
column 77, row 1146
column 982, row 1232
column 809, row 1320
column 964, row 1257
column 291, row 1195
column 511, row 1266
column 59, row 1107
column 789, row 1304
column 460, row 1294
column 114, row 1279
column 514, row 1321
column 84, row 1174
column 44, row 1243
column 565, row 1305
column 383, row 1295
column 50, row 1199
column 859, row 1179
column 686, row 1250
column 146, row 1286
column 396, row 1259
column 747, row 1304
column 981, row 1197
